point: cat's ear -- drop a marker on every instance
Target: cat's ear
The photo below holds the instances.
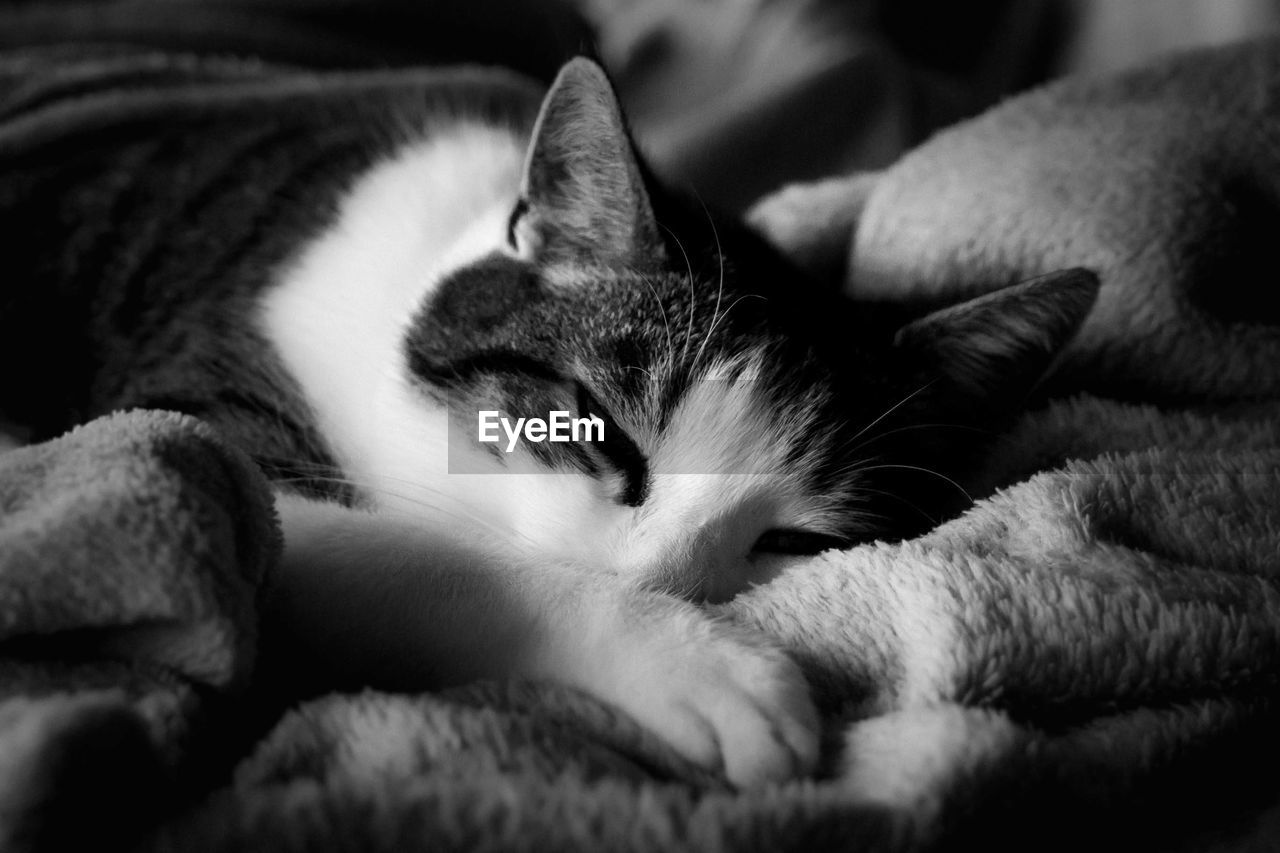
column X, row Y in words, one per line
column 583, row 196
column 997, row 346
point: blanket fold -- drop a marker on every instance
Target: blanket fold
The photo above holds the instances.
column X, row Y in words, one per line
column 1086, row 658
column 131, row 550
column 1162, row 180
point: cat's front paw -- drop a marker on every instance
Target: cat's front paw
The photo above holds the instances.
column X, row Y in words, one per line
column 721, row 696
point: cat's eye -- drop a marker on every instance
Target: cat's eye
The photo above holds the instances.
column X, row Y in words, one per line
column 618, row 450
column 797, row 542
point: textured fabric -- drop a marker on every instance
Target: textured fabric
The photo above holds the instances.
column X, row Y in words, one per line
column 131, row 551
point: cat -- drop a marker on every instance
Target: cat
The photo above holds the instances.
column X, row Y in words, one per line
column 341, row 278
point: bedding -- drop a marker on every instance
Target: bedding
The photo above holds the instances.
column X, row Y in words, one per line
column 1086, row 657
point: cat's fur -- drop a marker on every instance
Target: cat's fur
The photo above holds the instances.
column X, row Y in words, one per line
column 336, row 308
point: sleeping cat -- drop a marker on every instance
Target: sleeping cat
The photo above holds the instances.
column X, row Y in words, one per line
column 342, row 278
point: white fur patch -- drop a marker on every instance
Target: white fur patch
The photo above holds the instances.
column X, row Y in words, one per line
column 721, row 478
column 339, row 315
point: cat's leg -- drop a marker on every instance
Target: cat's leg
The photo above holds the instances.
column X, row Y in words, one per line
column 367, row 599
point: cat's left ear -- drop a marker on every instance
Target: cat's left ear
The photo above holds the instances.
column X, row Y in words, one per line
column 583, row 197
column 998, row 346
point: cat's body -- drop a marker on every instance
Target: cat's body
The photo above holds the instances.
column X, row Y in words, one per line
column 153, row 237
column 344, row 313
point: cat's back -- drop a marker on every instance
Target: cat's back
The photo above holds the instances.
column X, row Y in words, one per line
column 246, row 164
column 147, row 218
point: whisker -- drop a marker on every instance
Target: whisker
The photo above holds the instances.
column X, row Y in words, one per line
column 893, row 409
column 671, row 346
column 693, row 295
column 930, row 471
column 715, row 313
column 368, row 487
column 928, row 516
column 887, row 433
column 717, row 320
column 373, row 488
column 640, row 369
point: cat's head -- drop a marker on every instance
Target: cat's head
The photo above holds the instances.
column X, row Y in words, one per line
column 746, row 411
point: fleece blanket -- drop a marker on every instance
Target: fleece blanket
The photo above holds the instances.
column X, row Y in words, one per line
column 1085, row 657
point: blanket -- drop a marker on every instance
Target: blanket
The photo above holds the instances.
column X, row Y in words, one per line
column 1085, row 657
column 131, row 550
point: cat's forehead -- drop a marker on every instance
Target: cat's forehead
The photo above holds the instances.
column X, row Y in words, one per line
column 597, row 317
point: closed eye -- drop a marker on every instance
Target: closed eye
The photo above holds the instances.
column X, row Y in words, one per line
column 782, row 541
column 619, row 450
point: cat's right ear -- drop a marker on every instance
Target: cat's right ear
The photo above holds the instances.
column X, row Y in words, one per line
column 995, row 348
column 583, row 197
